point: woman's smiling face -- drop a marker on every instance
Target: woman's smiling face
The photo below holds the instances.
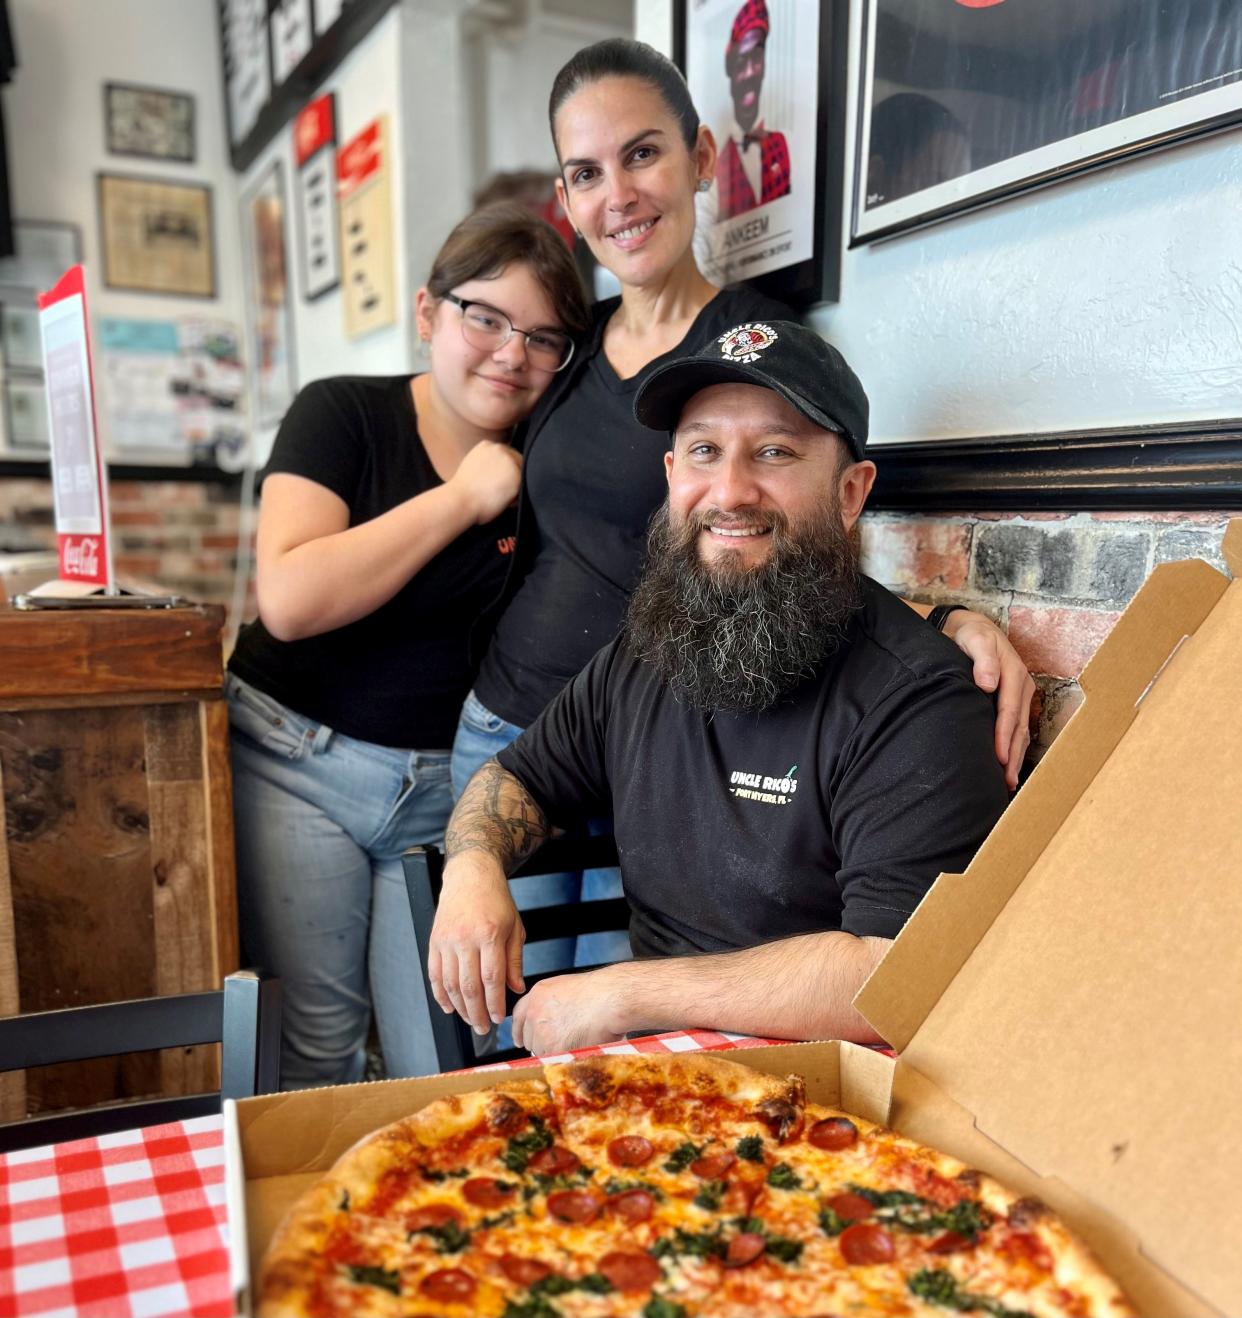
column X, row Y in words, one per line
column 627, row 179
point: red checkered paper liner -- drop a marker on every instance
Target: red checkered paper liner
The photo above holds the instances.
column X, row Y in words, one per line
column 134, row 1226
column 130, row 1225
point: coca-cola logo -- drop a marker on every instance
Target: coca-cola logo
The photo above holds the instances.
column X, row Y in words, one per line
column 82, row 557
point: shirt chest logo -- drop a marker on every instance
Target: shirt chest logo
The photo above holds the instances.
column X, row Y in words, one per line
column 766, row 789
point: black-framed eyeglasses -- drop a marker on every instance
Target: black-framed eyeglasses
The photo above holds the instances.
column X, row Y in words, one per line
column 487, row 329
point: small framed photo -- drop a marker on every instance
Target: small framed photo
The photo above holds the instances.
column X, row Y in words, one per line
column 769, row 79
column 156, row 235
column 148, row 121
column 44, row 250
column 269, row 295
column 20, row 338
column 25, row 414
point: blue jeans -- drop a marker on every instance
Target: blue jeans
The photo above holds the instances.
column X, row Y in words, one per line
column 480, row 734
column 321, row 822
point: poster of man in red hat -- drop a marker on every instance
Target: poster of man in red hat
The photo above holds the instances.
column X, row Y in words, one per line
column 746, row 61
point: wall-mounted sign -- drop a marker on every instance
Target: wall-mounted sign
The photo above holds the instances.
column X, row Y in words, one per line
column 291, row 37
column 364, row 186
column 247, row 73
column 314, row 142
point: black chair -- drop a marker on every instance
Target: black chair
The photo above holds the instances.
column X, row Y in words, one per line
column 424, row 870
column 244, row 1016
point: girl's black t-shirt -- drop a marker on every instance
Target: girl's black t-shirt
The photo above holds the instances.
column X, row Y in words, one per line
column 398, row 676
column 592, row 480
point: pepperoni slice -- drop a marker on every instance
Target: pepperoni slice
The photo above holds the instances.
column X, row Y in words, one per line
column 1027, row 1245
column 852, row 1207
column 448, row 1286
column 865, row 1242
column 555, row 1160
column 630, row 1272
column 714, row 1166
column 523, row 1272
column 744, row 1249
column 579, row 1206
column 432, row 1215
column 633, row 1206
column 487, row 1192
column 949, row 1243
column 630, row 1151
column 833, row 1133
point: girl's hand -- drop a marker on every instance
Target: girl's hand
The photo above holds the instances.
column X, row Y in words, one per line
column 488, row 479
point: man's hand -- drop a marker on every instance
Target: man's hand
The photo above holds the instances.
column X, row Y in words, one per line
column 999, row 668
column 571, row 1011
column 476, row 941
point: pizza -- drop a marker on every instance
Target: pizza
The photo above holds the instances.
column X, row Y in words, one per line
column 666, row 1187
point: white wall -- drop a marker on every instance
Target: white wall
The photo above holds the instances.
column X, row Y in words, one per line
column 1111, row 300
column 367, row 84
column 67, row 50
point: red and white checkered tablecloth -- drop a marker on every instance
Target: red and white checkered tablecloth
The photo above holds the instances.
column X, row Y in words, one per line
column 133, row 1225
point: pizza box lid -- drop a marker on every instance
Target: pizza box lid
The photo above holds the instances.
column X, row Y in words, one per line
column 1077, row 991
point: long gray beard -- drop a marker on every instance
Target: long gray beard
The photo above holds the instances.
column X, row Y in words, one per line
column 730, row 639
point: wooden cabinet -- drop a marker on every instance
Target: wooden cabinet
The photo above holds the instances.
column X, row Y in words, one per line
column 116, row 870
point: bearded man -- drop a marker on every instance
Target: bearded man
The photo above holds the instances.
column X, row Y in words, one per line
column 790, row 755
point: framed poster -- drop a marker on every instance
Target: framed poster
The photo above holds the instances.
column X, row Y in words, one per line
column 969, row 103
column 292, row 34
column 268, row 308
column 314, row 152
column 773, row 213
column 25, row 406
column 21, row 338
column 45, row 249
column 145, row 121
column 156, row 236
column 364, row 189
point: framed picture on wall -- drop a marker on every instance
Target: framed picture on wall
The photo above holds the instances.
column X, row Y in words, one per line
column 45, row 249
column 147, row 121
column 965, row 104
column 25, row 414
column 156, row 235
column 269, row 294
column 314, row 154
column 21, row 338
column 768, row 78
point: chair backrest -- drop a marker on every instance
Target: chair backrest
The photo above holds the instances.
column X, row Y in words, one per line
column 424, row 870
column 243, row 1016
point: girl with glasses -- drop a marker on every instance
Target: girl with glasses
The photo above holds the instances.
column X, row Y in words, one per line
column 386, row 527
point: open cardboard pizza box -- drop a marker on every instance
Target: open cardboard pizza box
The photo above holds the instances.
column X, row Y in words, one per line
column 1067, row 1013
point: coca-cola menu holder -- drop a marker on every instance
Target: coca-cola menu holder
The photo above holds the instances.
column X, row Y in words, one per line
column 79, row 480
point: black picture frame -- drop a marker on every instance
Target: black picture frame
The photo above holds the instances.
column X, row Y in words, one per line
column 964, row 105
column 817, row 278
column 248, row 76
column 153, row 123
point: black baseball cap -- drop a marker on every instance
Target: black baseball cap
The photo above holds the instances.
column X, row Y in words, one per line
column 777, row 354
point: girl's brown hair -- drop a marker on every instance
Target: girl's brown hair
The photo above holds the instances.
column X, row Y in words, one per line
column 495, row 237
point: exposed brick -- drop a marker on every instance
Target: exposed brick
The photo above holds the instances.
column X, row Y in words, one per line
column 1196, row 519
column 136, row 565
column 1058, row 642
column 137, row 517
column 220, row 542
column 1074, row 563
column 916, row 554
column 1178, row 543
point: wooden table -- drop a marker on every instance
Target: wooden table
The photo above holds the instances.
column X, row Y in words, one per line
column 116, row 869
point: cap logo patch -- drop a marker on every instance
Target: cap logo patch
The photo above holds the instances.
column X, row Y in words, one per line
column 746, row 342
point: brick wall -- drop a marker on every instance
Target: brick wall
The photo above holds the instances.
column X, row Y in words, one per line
column 179, row 535
column 1056, row 581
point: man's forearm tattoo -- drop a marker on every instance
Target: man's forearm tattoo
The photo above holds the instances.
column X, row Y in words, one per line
column 498, row 815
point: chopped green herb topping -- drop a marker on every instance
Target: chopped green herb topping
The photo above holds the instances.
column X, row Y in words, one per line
column 381, row 1277
column 522, row 1148
column 535, row 1307
column 750, row 1148
column 450, row 1238
column 832, row 1224
column 784, row 1249
column 709, row 1195
column 698, row 1244
column 910, row 1212
column 940, row 1287
column 615, row 1186
column 682, row 1156
column 594, row 1283
column 783, row 1177
column 498, row 1219
column 659, row 1307
column 435, row 1174
column 572, row 1181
